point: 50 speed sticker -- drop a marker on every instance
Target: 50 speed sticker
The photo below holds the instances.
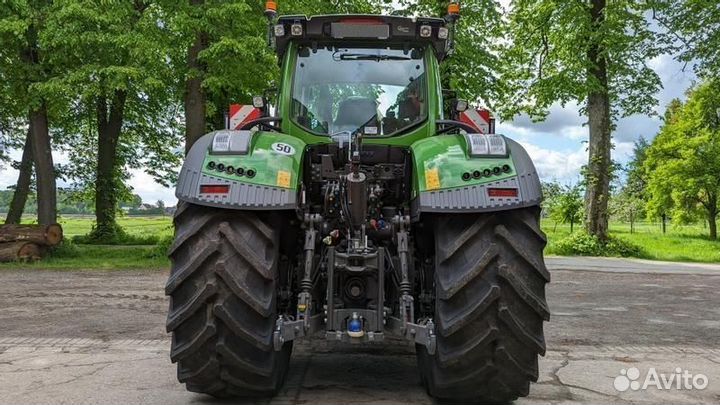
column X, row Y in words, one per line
column 283, row 148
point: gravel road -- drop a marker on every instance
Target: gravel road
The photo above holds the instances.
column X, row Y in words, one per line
column 96, row 337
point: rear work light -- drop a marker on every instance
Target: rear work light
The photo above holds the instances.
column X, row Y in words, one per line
column 503, row 192
column 214, row 189
column 443, row 33
column 480, row 145
column 279, row 30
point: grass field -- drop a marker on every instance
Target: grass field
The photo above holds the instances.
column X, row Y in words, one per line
column 138, row 226
column 680, row 243
column 687, row 243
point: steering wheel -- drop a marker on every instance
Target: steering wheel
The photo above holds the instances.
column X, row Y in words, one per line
column 263, row 123
column 449, row 125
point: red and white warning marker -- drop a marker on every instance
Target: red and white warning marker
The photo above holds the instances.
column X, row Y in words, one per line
column 242, row 114
column 479, row 119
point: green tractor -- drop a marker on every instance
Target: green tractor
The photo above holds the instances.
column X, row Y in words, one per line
column 367, row 202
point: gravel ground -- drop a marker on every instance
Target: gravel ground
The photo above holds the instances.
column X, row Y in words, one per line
column 99, row 337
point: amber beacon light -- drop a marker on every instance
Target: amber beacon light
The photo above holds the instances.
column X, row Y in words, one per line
column 453, row 8
column 270, row 8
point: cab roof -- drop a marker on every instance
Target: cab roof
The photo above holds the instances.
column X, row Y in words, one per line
column 367, row 30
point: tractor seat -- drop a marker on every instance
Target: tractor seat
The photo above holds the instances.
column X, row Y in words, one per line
column 355, row 112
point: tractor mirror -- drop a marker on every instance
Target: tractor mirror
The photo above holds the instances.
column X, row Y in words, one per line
column 461, row 105
column 258, row 102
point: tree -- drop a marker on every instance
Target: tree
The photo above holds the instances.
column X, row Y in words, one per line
column 694, row 28
column 567, row 206
column 593, row 53
column 636, row 182
column 629, row 203
column 683, row 162
column 551, row 190
column 627, row 207
column 194, row 95
column 26, row 61
column 22, row 186
column 118, row 83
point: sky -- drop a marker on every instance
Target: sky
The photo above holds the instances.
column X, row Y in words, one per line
column 556, row 145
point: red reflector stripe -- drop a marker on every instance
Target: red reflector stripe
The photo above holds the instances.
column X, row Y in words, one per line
column 214, row 188
column 362, row 21
column 502, row 192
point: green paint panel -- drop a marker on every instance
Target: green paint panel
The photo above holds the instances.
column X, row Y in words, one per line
column 274, row 164
column 440, row 162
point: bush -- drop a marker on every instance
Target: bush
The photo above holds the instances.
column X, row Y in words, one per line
column 65, row 250
column 162, row 247
column 582, row 244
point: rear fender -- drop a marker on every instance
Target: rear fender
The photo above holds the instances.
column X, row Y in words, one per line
column 440, row 163
column 273, row 161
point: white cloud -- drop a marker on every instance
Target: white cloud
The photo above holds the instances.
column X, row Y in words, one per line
column 563, row 122
column 150, row 191
column 553, row 165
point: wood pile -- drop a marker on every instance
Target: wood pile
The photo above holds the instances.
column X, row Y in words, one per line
column 27, row 242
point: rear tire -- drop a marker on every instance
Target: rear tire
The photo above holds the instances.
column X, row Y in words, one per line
column 223, row 302
column 490, row 306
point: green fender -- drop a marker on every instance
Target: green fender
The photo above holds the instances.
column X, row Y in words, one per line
column 269, row 179
column 447, row 179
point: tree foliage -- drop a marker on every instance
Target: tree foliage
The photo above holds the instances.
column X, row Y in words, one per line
column 547, row 60
column 683, row 162
column 694, row 30
column 567, row 206
column 473, row 71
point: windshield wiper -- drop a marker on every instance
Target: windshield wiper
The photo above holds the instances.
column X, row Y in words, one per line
column 367, row 56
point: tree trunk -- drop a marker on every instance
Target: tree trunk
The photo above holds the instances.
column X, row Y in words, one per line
column 44, row 167
column 39, row 134
column 49, row 235
column 664, row 218
column 194, row 94
column 13, row 251
column 712, row 211
column 598, row 110
column 22, row 187
column 109, row 127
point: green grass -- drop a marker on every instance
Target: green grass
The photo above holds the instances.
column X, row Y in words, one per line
column 142, row 227
column 97, row 257
column 688, row 243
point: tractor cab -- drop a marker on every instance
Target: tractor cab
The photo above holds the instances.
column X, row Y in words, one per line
column 363, row 74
